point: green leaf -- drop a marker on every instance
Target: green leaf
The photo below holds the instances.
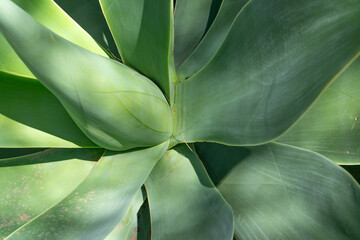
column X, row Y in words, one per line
column 143, row 33
column 282, row 192
column 210, row 153
column 88, row 14
column 17, row 152
column 276, row 59
column 184, row 204
column 190, row 23
column 215, row 6
column 10, row 62
column 213, row 39
column 54, row 18
column 31, row 116
column 113, row 105
column 331, row 127
column 127, row 228
column 99, row 203
column 144, row 222
column 31, row 184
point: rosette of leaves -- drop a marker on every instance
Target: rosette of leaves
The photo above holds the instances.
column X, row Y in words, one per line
column 233, row 115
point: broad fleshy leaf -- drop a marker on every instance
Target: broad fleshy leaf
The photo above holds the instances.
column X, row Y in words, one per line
column 116, row 107
column 276, row 59
column 184, row 204
column 88, row 14
column 127, row 228
column 99, row 203
column 282, row 192
column 31, row 184
column 31, row 116
column 54, row 18
column 331, row 127
column 219, row 159
column 190, row 23
column 143, row 33
column 213, row 39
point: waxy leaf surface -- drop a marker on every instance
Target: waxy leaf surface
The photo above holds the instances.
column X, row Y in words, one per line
column 31, row 116
column 213, row 39
column 127, row 228
column 143, row 33
column 33, row 183
column 100, row 202
column 276, row 59
column 184, row 204
column 282, row 192
column 116, row 107
column 88, row 14
column 190, row 21
column 50, row 15
column 331, row 127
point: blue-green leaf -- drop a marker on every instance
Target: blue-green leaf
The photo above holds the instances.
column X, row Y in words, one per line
column 275, row 61
column 32, row 117
column 143, row 32
column 331, row 126
column 33, row 183
column 99, row 203
column 184, row 204
column 282, row 192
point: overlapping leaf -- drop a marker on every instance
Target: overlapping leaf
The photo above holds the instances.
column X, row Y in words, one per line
column 98, row 93
column 219, row 159
column 276, row 59
column 212, row 40
column 144, row 222
column 16, row 152
column 257, row 70
column 184, row 204
column 282, row 192
column 127, row 228
column 88, row 14
column 190, row 22
column 99, row 203
column 31, row 184
column 143, row 33
column 31, row 116
column 331, row 127
column 51, row 16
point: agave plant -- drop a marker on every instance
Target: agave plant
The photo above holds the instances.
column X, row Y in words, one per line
column 208, row 120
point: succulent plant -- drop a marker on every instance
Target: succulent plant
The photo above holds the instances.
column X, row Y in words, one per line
column 203, row 119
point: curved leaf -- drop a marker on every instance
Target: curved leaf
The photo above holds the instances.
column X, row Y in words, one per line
column 331, row 127
column 88, row 14
column 354, row 170
column 113, row 105
column 281, row 192
column 272, row 65
column 31, row 116
column 184, row 204
column 190, row 23
column 219, row 159
column 144, row 222
column 51, row 16
column 127, row 228
column 213, row 39
column 31, row 184
column 99, row 203
column 143, row 33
